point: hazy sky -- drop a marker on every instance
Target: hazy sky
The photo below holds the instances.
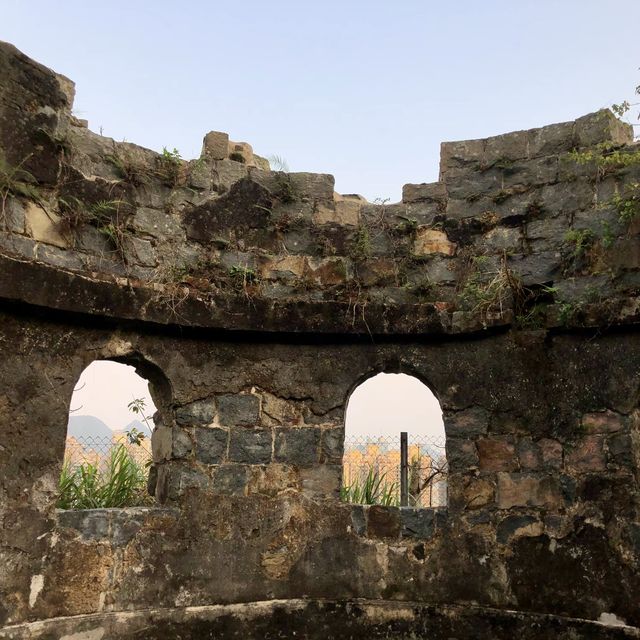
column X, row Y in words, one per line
column 105, row 389
column 393, row 402
column 363, row 89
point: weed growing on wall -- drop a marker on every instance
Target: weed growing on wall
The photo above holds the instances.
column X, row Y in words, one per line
column 16, row 181
column 374, row 488
column 121, row 483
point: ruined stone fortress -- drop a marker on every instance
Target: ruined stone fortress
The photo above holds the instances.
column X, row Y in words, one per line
column 254, row 301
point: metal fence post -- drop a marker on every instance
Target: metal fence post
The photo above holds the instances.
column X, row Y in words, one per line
column 404, row 469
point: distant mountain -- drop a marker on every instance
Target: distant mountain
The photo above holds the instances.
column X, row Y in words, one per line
column 140, row 426
column 83, row 427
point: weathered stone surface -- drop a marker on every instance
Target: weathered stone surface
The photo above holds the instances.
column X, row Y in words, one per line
column 587, row 455
column 231, row 480
column 528, row 490
column 496, row 454
column 383, row 522
column 332, row 446
column 297, row 446
column 250, row 446
column 44, row 226
column 517, row 527
column 478, row 493
column 211, row 445
column 215, row 145
column 238, row 410
column 432, row 192
column 430, row 241
column 461, row 454
column 417, row 523
column 467, row 423
column 604, row 422
column 198, row 412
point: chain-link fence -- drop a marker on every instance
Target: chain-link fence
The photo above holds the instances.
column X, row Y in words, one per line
column 97, row 449
column 372, row 470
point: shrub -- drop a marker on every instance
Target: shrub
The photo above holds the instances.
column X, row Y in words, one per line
column 122, row 483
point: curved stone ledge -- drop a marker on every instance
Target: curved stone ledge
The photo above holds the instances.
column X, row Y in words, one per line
column 321, row 620
column 124, row 299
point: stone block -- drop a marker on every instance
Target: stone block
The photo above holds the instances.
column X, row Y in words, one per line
column 551, row 140
column 215, row 145
column 250, row 446
column 332, row 445
column 536, row 268
column 478, row 492
column 528, row 173
column 317, row 186
column 514, row 527
column 156, row 224
column 551, row 451
column 14, row 216
column 587, row 455
column 463, row 154
column 358, row 519
column 279, row 411
column 470, row 186
column 139, row 251
column 528, row 490
column 199, row 175
column 327, row 271
column 502, row 239
column 467, row 423
column 567, row 197
column 298, row 446
column 185, row 479
column 211, row 445
column 604, row 422
column 89, row 239
column 602, row 126
column 383, row 522
column 272, row 479
column 441, row 270
column 321, row 481
column 622, row 450
column 417, row 523
column 430, row 241
column 343, row 211
column 548, row 234
column 496, row 454
column 529, row 455
column 62, row 258
column 231, row 480
column 461, row 454
column 18, row 245
column 239, row 410
column 198, row 412
column 161, row 443
column 181, row 445
column 378, row 272
column 288, row 267
column 507, row 147
column 424, row 192
column 44, row 226
column 240, row 152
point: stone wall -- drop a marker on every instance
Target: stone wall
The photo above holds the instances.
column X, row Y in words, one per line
column 254, row 302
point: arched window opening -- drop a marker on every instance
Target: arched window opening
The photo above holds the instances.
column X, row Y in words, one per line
column 108, row 445
column 375, row 470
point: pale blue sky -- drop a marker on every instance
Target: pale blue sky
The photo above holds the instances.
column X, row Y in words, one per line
column 362, row 89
